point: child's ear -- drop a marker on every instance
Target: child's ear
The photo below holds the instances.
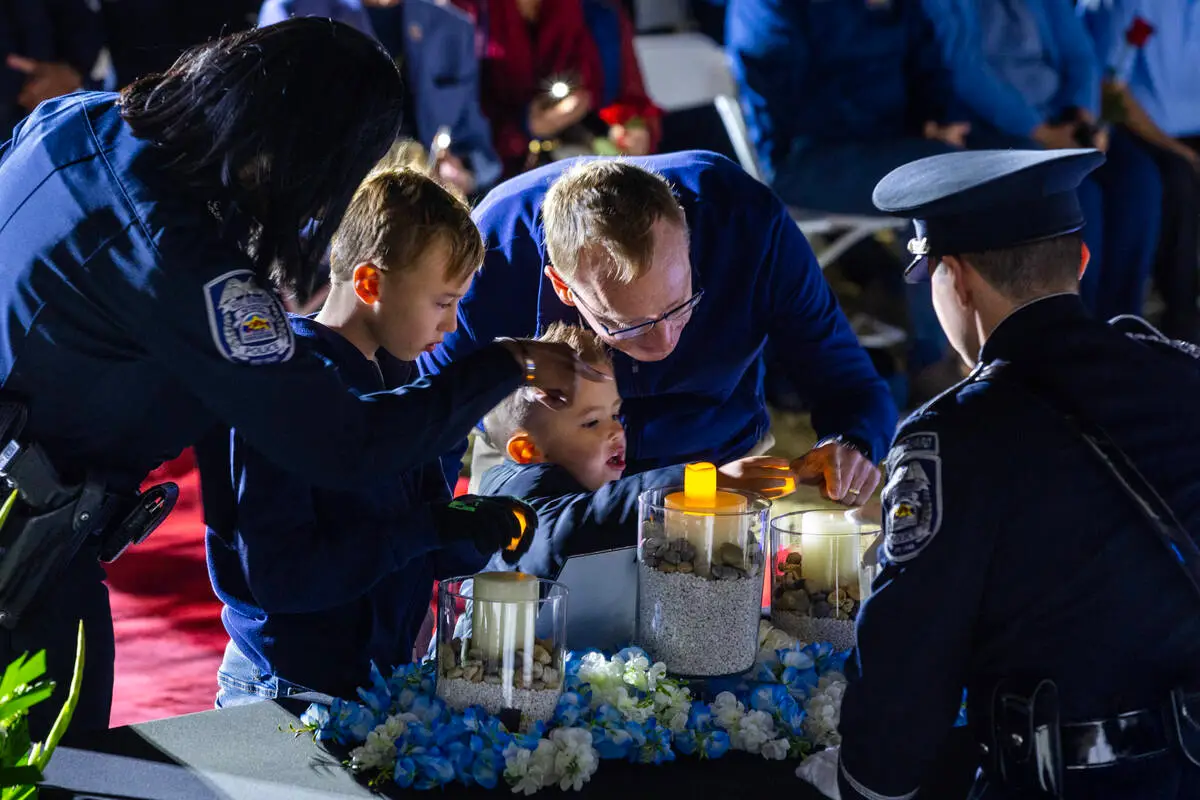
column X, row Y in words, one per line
column 559, row 285
column 366, row 283
column 522, row 450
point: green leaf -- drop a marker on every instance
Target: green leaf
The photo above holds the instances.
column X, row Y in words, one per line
column 23, row 670
column 40, row 756
column 21, row 793
column 18, row 776
column 33, row 696
column 15, row 744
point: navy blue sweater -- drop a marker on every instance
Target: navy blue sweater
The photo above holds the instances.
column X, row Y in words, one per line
column 316, row 582
column 572, row 520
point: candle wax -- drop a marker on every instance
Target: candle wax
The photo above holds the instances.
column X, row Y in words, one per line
column 503, row 615
column 829, row 546
column 704, row 515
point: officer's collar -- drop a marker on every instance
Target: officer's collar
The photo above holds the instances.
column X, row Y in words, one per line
column 1027, row 325
column 355, row 367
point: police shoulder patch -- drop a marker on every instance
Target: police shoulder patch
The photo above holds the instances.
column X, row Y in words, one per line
column 248, row 324
column 912, row 497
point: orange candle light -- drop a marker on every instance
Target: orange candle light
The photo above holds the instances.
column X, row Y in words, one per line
column 703, row 514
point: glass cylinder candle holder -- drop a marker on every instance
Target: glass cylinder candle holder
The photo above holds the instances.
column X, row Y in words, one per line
column 700, row 575
column 501, row 645
column 823, row 565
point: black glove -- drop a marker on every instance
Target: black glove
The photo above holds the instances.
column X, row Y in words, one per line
column 490, row 523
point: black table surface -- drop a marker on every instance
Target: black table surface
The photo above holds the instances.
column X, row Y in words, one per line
column 242, row 754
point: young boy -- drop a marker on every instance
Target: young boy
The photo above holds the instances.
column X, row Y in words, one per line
column 569, row 466
column 318, row 583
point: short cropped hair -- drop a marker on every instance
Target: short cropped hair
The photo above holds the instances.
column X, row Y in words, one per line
column 606, row 208
column 513, row 413
column 393, row 219
column 1022, row 272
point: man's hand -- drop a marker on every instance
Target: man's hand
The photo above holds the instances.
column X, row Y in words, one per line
column 45, row 80
column 546, row 122
column 766, row 475
column 552, row 369
column 844, row 474
column 451, row 171
column 1056, row 137
column 953, row 134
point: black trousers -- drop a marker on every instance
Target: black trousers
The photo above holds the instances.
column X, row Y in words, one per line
column 1177, row 262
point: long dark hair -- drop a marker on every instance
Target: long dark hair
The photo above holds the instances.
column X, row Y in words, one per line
column 277, row 127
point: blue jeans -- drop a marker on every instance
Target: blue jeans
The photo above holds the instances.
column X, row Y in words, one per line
column 240, row 682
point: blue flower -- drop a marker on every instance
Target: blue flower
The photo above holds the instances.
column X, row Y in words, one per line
column 762, row 673
column 529, row 741
column 714, row 744
column 317, row 719
column 405, row 772
column 378, row 696
column 607, row 715
column 700, row 718
column 572, row 709
column 461, row 759
column 351, row 722
column 433, row 770
column 486, row 769
column 630, row 653
column 474, row 718
column 405, row 697
column 789, row 715
column 800, row 681
column 799, row 658
column 415, row 739
column 685, row 742
column 652, row 743
column 494, row 735
column 768, row 698
column 615, row 741
column 429, row 709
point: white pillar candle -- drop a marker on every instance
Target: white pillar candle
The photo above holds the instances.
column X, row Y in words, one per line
column 704, row 515
column 829, row 544
column 503, row 615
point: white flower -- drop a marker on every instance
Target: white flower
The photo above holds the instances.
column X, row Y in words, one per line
column 395, row 726
column 677, row 723
column 771, row 639
column 655, row 674
column 823, row 711
column 630, row 709
column 753, row 730
column 775, row 750
column 576, row 760
column 529, row 770
column 727, row 711
column 379, row 750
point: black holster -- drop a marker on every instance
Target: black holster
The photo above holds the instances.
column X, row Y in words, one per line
column 1022, row 748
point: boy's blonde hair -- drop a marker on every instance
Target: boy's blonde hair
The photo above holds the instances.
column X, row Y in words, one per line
column 512, row 415
column 606, row 209
column 395, row 216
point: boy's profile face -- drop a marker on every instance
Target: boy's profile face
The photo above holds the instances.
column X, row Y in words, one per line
column 418, row 306
column 587, row 438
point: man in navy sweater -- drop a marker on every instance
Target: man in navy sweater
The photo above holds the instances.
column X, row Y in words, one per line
column 685, row 266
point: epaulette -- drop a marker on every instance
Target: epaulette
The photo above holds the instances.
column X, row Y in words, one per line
column 975, row 375
column 1142, row 331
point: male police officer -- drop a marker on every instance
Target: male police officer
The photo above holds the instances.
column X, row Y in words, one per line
column 685, row 266
column 1017, row 561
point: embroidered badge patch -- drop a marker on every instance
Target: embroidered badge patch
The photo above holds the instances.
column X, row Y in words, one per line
column 248, row 324
column 912, row 498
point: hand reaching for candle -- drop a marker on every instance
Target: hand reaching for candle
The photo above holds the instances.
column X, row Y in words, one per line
column 844, row 474
column 552, row 369
column 766, row 475
column 490, row 523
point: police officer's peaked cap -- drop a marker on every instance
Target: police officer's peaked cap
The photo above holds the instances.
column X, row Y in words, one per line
column 980, row 200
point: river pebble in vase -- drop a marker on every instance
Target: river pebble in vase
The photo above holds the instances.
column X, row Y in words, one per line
column 824, row 564
column 700, row 575
column 501, row 645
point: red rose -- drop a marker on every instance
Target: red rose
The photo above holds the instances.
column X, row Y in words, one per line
column 1139, row 32
column 618, row 114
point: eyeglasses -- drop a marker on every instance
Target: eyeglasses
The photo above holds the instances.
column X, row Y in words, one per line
column 680, row 313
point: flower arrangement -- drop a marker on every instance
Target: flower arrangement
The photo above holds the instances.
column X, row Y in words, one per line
column 619, row 707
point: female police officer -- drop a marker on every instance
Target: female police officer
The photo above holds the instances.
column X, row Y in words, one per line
column 139, row 235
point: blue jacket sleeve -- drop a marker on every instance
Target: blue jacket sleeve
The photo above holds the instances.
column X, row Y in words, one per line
column 915, row 630
column 297, row 560
column 572, row 520
column 272, row 404
column 502, row 301
column 976, row 85
column 816, row 346
column 768, row 52
column 1079, row 66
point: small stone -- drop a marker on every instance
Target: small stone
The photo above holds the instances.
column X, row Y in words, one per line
column 474, row 654
column 667, row 566
column 473, row 673
column 731, row 573
column 800, row 602
column 671, row 557
column 653, row 561
column 446, row 654
column 701, row 568
column 494, row 680
column 687, row 551
column 536, row 672
column 730, row 554
column 537, row 685
column 541, row 655
column 818, row 597
column 847, row 605
column 794, row 558
column 549, row 676
column 685, row 566
column 454, row 672
column 822, row 609
column 653, row 547
column 716, row 571
column 835, row 598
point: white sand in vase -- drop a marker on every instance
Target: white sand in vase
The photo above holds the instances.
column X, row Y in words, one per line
column 699, row 627
column 808, row 629
column 537, row 705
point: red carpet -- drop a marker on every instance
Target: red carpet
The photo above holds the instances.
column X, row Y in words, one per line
column 168, row 624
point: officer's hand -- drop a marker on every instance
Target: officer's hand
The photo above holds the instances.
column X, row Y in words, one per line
column 556, row 370
column 491, row 523
column 1056, row 137
column 766, row 475
column 46, row 80
column 953, row 134
column 844, row 474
